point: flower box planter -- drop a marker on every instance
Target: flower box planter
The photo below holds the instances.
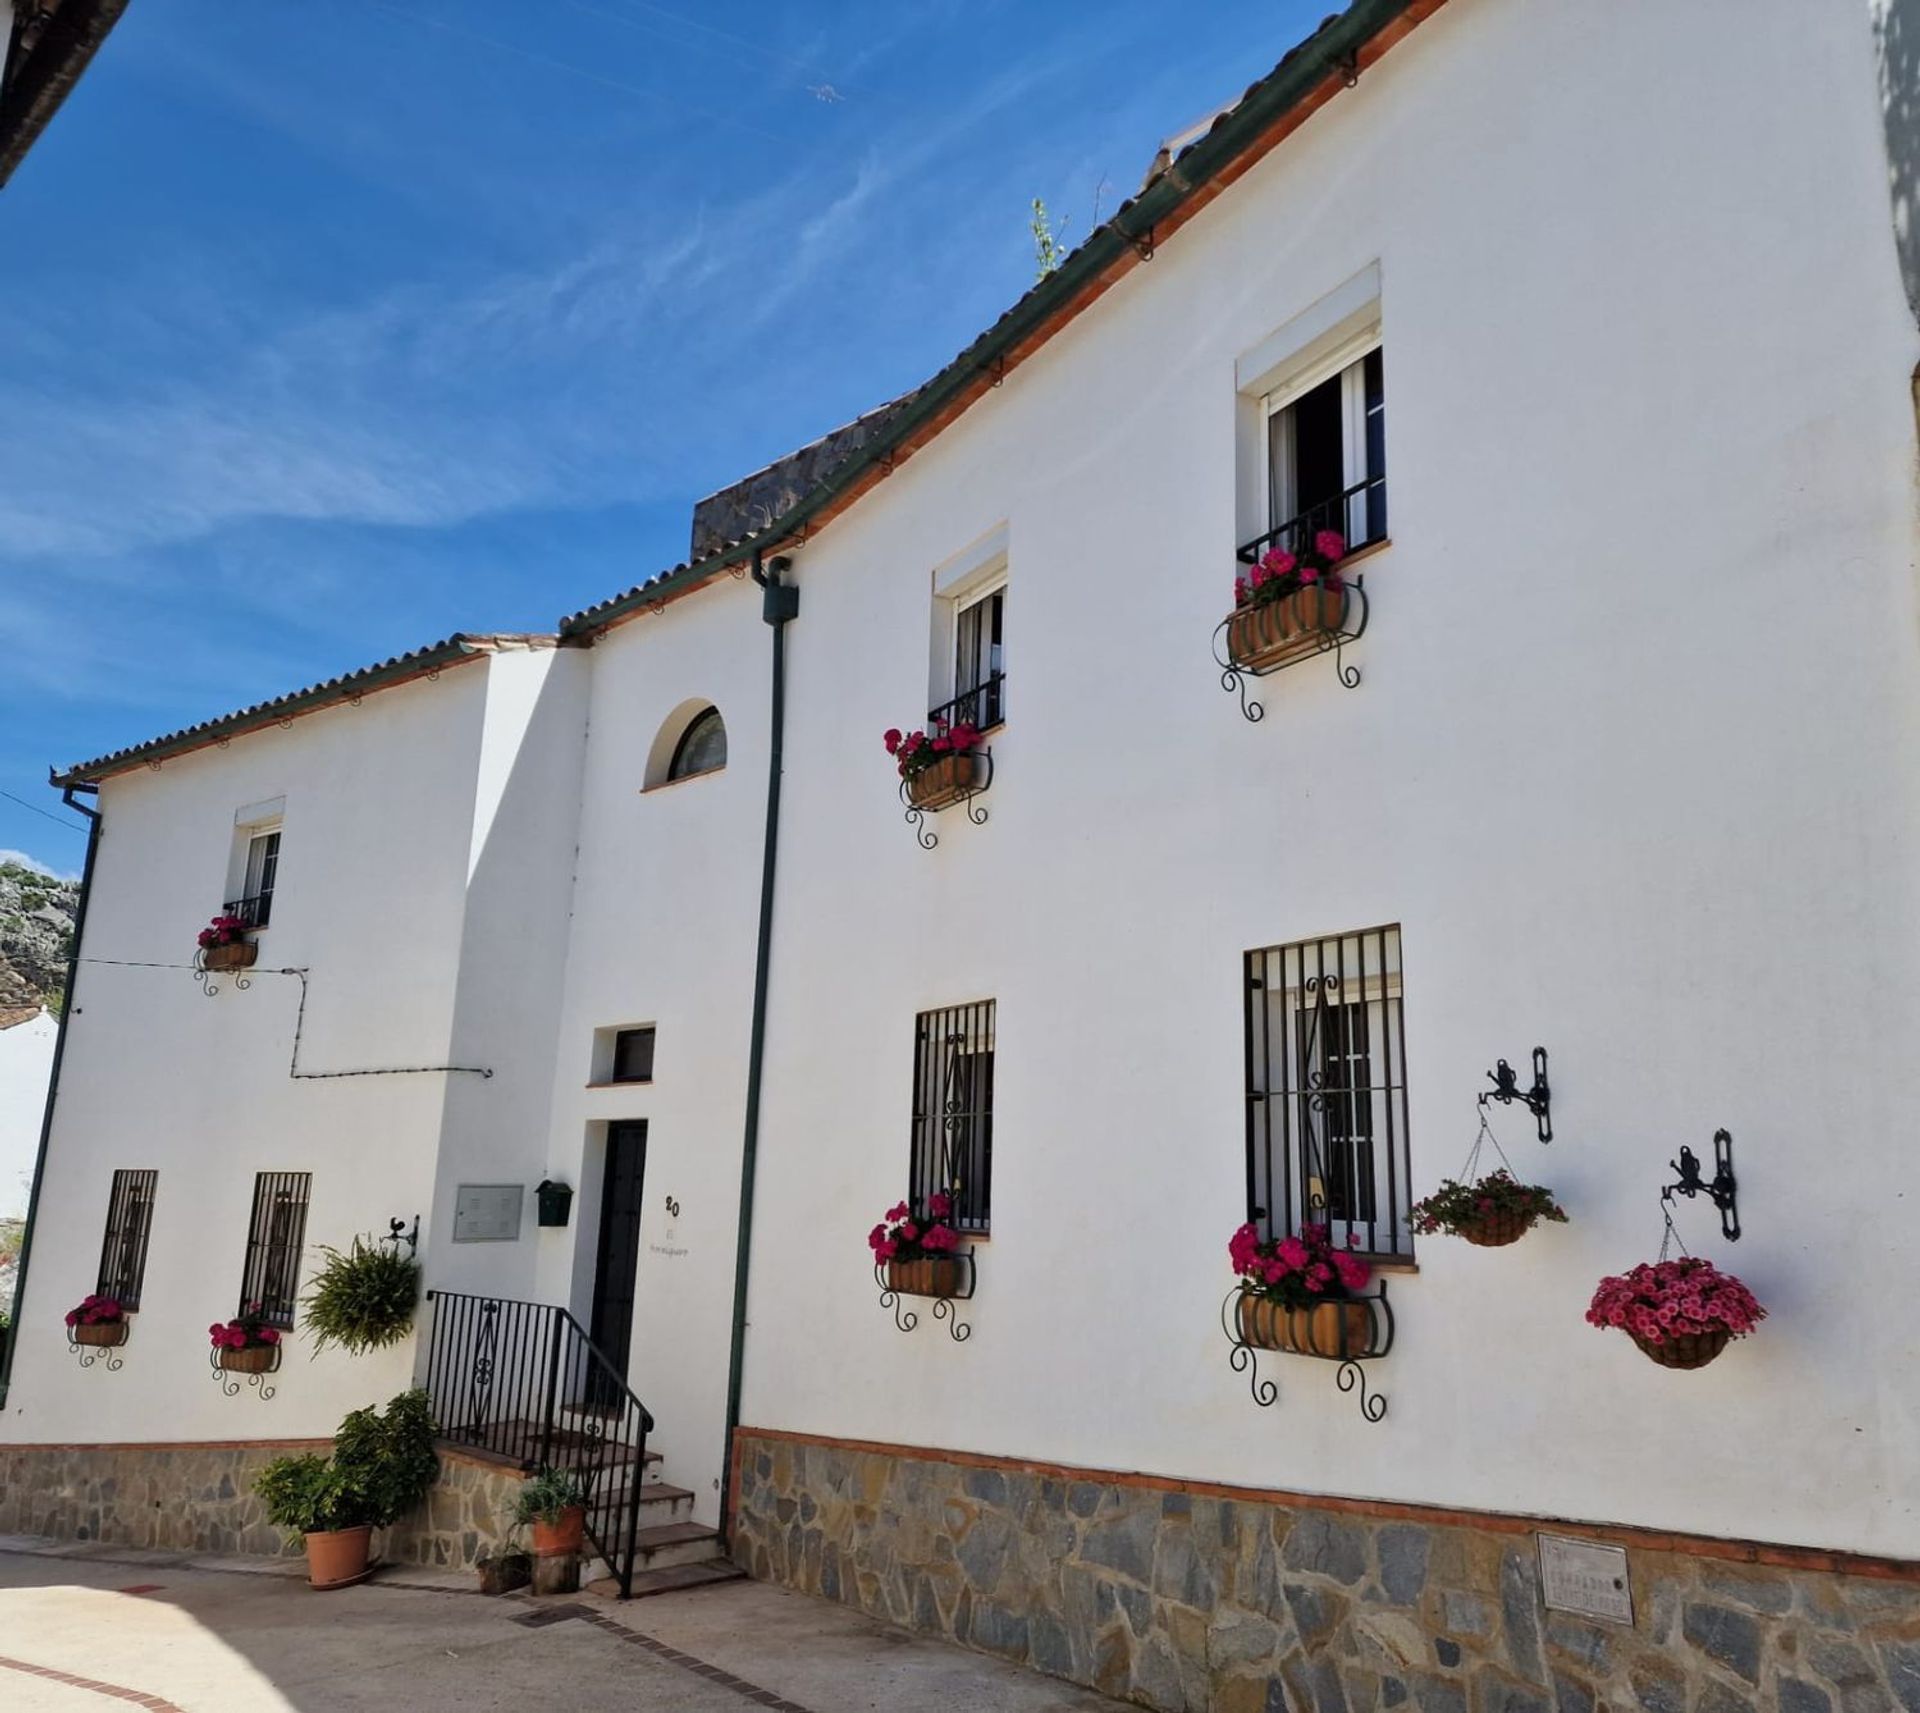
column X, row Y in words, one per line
column 105, row 1333
column 1684, row 1349
column 253, row 1359
column 1263, row 638
column 234, row 955
column 945, row 782
column 1338, row 1331
column 337, row 1557
column 926, row 1276
column 566, row 1535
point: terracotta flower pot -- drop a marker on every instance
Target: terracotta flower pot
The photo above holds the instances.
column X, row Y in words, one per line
column 234, row 955
column 1334, row 1330
column 107, row 1332
column 946, row 781
column 925, row 1276
column 1496, row 1230
column 1684, row 1349
column 254, row 1359
column 338, row 1556
column 567, row 1535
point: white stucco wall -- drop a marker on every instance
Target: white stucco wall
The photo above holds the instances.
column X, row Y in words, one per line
column 1632, row 763
column 26, row 1061
column 374, row 859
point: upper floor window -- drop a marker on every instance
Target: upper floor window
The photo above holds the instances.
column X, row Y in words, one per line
column 276, row 1237
column 123, row 1251
column 253, row 869
column 702, row 747
column 952, row 1147
column 979, row 661
column 1327, row 1091
column 632, row 1056
column 1326, row 460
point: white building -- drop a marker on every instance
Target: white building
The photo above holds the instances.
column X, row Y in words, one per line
column 1589, row 329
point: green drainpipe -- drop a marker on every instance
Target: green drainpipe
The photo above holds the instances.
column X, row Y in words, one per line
column 12, row 1338
column 780, row 604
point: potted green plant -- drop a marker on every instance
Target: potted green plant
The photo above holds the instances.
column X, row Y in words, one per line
column 917, row 1249
column 363, row 1299
column 382, row 1467
column 246, row 1344
column 1680, row 1313
column 224, row 944
column 96, row 1320
column 555, row 1503
column 1301, row 1294
column 1493, row 1211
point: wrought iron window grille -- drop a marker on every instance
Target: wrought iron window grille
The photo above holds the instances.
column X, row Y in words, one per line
column 1330, row 1340
column 276, row 1237
column 1326, row 1091
column 952, row 1136
column 253, row 911
column 895, row 1285
column 1243, row 648
column 123, row 1250
column 983, row 707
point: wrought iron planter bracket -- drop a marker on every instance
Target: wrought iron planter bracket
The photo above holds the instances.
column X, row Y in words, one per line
column 917, row 813
column 105, row 1354
column 1722, row 1189
column 1538, row 1100
column 1353, row 623
column 905, row 1319
column 229, row 1379
column 1243, row 1357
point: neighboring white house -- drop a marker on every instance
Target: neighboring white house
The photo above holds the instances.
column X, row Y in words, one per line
column 1585, row 328
column 26, row 1061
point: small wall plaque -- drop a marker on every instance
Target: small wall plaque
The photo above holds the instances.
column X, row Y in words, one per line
column 487, row 1213
column 1585, row 1577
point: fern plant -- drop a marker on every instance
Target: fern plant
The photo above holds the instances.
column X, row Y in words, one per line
column 362, row 1299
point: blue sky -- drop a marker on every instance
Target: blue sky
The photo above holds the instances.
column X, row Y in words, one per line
column 329, row 329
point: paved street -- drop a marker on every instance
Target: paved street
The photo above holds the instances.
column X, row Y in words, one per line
column 88, row 1628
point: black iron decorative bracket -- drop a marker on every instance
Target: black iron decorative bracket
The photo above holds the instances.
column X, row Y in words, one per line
column 1353, row 624
column 917, row 813
column 229, row 1378
column 1538, row 1100
column 905, row 1319
column 1722, row 1189
column 397, row 1234
column 105, row 1354
column 1243, row 1357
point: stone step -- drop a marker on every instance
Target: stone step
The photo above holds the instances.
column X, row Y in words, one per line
column 667, row 1545
column 707, row 1572
column 659, row 1503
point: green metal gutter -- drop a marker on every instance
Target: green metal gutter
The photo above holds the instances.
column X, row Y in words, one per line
column 1329, row 52
column 12, row 1338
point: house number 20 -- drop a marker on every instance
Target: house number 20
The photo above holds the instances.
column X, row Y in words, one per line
column 673, row 1208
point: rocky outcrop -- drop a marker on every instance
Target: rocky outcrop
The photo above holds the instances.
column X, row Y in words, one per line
column 36, row 933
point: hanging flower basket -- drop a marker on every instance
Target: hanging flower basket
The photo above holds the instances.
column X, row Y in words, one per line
column 938, row 767
column 929, row 1276
column 105, row 1334
column 943, row 783
column 1681, row 1314
column 1301, row 1294
column 99, row 1321
column 918, row 1250
column 224, row 944
column 1288, row 604
column 246, row 1344
column 1489, row 1212
column 1333, row 1330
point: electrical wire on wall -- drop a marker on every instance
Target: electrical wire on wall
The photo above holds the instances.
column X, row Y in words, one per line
column 299, row 1028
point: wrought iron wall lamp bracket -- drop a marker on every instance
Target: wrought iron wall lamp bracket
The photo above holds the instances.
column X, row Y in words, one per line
column 1538, row 1100
column 397, row 1234
column 1722, row 1189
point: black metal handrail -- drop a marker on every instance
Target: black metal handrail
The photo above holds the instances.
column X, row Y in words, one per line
column 1358, row 515
column 983, row 707
column 523, row 1381
column 253, row 911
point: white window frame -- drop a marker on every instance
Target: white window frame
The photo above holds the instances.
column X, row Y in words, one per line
column 1349, row 363
column 251, row 824
column 971, row 576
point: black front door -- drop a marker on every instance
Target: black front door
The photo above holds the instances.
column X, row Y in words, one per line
column 619, row 1240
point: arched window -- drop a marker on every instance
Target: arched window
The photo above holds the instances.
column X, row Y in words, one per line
column 702, row 747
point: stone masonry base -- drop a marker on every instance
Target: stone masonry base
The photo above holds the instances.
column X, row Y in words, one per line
column 199, row 1498
column 1202, row 1599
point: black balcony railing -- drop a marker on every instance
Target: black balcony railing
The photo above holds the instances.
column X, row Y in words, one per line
column 253, row 911
column 523, row 1382
column 1358, row 515
column 983, row 707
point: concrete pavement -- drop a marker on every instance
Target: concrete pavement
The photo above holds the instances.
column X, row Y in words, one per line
column 86, row 1627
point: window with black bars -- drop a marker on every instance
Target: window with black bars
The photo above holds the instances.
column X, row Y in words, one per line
column 979, row 665
column 1327, row 1091
column 254, row 906
column 123, row 1251
column 275, row 1237
column 953, row 1113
